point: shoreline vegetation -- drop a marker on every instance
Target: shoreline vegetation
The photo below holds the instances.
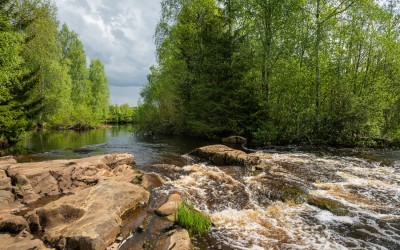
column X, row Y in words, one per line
column 278, row 73
column 45, row 78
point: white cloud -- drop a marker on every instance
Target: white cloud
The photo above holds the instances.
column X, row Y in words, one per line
column 120, row 33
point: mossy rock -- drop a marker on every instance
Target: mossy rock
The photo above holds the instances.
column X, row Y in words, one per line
column 294, row 194
column 333, row 206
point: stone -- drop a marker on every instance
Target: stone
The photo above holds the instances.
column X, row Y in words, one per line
column 151, row 181
column 41, row 179
column 6, row 200
column 169, row 207
column 90, row 218
column 6, row 162
column 222, row 155
column 12, row 224
column 279, row 185
column 126, row 173
column 23, row 241
column 333, row 206
column 238, row 140
column 180, row 240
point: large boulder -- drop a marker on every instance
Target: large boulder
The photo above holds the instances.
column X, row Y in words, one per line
column 40, row 179
column 222, row 155
column 90, row 218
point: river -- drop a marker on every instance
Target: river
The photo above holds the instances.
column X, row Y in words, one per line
column 248, row 208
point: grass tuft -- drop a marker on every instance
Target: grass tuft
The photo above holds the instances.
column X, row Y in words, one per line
column 196, row 222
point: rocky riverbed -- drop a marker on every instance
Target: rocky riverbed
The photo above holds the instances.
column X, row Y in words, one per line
column 258, row 200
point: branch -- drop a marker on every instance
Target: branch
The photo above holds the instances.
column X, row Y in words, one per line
column 336, row 11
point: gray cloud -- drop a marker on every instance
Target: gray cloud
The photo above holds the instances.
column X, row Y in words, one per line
column 120, row 33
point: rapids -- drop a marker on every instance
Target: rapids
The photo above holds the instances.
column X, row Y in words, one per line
column 251, row 209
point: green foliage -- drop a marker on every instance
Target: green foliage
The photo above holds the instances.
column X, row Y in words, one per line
column 122, row 114
column 196, row 222
column 313, row 71
column 44, row 79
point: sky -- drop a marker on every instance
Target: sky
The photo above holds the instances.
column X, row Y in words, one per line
column 120, row 34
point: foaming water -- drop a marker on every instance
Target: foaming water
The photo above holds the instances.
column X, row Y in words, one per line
column 255, row 211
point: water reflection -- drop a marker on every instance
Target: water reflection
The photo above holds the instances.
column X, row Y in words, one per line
column 47, row 145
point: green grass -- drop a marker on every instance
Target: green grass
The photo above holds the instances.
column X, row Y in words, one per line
column 196, row 222
column 18, row 185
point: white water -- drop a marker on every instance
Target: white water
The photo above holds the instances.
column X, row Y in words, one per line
column 369, row 190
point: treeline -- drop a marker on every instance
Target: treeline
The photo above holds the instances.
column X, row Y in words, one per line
column 122, row 114
column 312, row 71
column 44, row 78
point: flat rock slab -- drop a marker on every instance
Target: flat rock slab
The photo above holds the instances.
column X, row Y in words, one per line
column 39, row 179
column 221, row 155
column 89, row 219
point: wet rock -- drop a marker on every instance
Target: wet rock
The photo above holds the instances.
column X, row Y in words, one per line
column 180, row 240
column 36, row 180
column 278, row 185
column 89, row 219
column 12, row 224
column 333, row 206
column 151, row 180
column 167, row 170
column 169, row 207
column 23, row 241
column 238, row 140
column 222, row 155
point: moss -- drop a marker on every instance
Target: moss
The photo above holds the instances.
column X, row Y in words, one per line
column 196, row 222
column 331, row 205
column 294, row 194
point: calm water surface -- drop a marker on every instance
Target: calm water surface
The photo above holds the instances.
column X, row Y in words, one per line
column 48, row 145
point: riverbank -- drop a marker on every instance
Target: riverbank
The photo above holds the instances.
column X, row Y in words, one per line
column 74, row 204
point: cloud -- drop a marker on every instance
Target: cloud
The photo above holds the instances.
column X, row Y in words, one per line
column 120, row 33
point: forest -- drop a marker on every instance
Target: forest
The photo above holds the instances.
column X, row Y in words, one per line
column 293, row 71
column 45, row 80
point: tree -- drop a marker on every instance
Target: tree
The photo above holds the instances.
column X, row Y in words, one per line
column 100, row 90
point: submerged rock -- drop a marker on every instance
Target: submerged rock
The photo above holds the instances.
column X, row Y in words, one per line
column 333, row 206
column 222, row 155
column 278, row 185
